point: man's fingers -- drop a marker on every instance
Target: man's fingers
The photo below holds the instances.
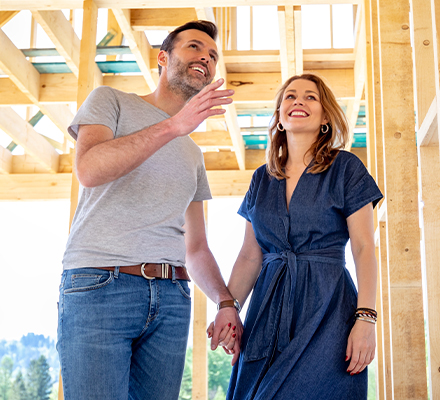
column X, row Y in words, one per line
column 218, row 335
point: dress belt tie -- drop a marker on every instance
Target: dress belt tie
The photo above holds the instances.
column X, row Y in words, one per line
column 278, row 304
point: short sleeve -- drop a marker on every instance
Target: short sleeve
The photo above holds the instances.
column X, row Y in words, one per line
column 100, row 108
column 359, row 188
column 203, row 191
column 248, row 200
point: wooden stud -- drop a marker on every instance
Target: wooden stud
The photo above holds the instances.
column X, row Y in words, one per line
column 5, row 161
column 162, row 19
column 403, row 233
column 231, row 112
column 32, row 142
column 6, row 16
column 429, row 161
column 200, row 340
column 138, row 43
column 15, row 187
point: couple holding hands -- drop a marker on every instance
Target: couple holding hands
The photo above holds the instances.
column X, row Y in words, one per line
column 125, row 305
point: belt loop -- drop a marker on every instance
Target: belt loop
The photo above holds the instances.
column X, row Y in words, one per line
column 116, row 272
column 173, row 273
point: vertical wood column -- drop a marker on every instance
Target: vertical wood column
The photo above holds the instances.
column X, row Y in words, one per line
column 86, row 78
column 426, row 70
column 401, row 191
column 375, row 156
column 200, row 340
column 372, row 167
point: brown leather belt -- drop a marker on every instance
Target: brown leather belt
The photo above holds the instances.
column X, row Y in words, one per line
column 151, row 271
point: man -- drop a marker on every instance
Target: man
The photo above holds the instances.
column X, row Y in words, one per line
column 124, row 306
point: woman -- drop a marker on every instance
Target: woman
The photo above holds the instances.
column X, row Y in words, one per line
column 307, row 334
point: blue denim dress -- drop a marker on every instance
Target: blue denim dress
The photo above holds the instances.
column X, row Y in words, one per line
column 301, row 310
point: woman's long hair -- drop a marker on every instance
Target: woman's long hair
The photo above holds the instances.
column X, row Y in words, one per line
column 327, row 145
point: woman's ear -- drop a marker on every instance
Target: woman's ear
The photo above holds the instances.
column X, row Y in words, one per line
column 325, row 120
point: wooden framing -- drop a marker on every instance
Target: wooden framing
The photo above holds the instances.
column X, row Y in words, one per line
column 381, row 71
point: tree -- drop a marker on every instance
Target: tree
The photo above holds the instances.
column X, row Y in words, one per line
column 219, row 370
column 186, row 387
column 39, row 382
column 6, row 367
column 19, row 391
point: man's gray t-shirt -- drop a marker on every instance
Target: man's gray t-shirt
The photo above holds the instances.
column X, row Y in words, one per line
column 140, row 216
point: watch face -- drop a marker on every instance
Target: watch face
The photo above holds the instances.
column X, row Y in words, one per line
column 237, row 305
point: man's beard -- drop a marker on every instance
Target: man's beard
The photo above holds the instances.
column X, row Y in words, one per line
column 181, row 82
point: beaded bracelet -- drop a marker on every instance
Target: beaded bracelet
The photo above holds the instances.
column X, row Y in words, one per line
column 368, row 310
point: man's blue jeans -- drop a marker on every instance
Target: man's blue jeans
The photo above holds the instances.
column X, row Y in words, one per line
column 121, row 336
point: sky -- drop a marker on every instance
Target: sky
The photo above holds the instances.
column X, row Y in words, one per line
column 33, row 234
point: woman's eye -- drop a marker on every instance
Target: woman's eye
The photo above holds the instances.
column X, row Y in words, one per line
column 311, row 97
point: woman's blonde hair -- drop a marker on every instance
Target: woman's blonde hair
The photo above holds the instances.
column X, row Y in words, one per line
column 326, row 146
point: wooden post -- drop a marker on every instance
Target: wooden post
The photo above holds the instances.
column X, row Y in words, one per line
column 402, row 233
column 200, row 340
column 425, row 54
column 86, row 79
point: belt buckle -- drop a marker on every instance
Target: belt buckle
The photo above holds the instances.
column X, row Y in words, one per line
column 164, row 271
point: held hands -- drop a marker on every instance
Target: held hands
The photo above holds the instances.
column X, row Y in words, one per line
column 226, row 331
column 200, row 107
column 361, row 346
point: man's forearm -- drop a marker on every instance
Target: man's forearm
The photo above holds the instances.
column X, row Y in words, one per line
column 112, row 159
column 206, row 274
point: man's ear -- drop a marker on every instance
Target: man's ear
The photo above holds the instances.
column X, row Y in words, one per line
column 162, row 58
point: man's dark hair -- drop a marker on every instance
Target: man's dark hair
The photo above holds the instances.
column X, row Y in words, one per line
column 205, row 26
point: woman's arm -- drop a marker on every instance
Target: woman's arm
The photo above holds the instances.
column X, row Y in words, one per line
column 362, row 340
column 247, row 267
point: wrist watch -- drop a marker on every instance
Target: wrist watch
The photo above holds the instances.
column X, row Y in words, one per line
column 229, row 303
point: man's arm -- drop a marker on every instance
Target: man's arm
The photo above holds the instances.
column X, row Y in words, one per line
column 101, row 159
column 206, row 274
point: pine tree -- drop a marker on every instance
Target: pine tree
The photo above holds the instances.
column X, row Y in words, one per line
column 38, row 379
column 19, row 391
column 6, row 367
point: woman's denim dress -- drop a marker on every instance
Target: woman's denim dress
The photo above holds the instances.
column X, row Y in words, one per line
column 302, row 306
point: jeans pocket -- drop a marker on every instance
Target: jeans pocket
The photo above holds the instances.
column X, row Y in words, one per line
column 83, row 282
column 184, row 288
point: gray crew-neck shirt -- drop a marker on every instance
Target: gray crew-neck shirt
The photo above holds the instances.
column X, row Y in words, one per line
column 140, row 216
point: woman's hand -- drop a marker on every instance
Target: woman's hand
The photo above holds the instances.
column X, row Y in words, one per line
column 227, row 339
column 361, row 346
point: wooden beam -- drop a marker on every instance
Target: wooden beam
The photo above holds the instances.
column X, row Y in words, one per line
column 403, row 232
column 86, row 66
column 6, row 16
column 427, row 134
column 430, row 168
column 161, row 19
column 429, row 161
column 32, row 142
column 291, row 52
column 254, row 88
column 138, row 43
column 61, row 33
column 287, row 41
column 5, row 161
column 216, row 139
column 359, row 75
column 27, row 79
column 112, row 25
column 15, row 187
column 12, row 5
column 20, row 71
column 231, row 112
column 229, row 183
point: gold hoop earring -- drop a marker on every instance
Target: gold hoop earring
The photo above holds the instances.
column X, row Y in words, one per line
column 326, row 128
column 279, row 125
